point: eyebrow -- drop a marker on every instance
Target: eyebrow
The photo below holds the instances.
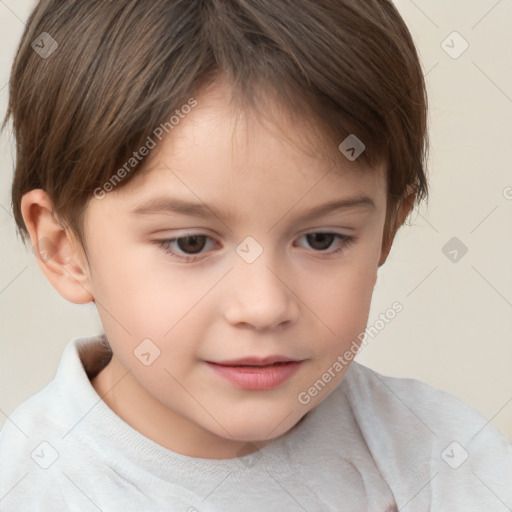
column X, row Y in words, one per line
column 180, row 206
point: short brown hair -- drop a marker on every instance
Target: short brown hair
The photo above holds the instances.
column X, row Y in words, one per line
column 122, row 67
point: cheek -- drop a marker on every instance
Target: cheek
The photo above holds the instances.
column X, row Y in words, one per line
column 143, row 298
column 140, row 291
column 346, row 314
column 343, row 302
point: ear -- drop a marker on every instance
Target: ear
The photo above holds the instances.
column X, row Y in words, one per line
column 57, row 251
column 395, row 219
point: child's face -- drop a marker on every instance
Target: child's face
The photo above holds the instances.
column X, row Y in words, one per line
column 299, row 299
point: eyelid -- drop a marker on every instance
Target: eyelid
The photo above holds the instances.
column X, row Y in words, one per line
column 184, row 233
column 344, row 241
column 165, row 243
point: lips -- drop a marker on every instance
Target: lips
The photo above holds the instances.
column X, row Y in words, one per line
column 254, row 361
column 258, row 374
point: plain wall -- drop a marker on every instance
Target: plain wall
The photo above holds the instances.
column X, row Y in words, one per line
column 455, row 328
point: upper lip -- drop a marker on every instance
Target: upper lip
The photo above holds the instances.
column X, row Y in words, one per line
column 255, row 361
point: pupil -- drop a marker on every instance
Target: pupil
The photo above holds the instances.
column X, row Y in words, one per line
column 196, row 244
column 325, row 240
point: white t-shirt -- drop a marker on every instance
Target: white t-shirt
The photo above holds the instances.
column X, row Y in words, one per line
column 375, row 444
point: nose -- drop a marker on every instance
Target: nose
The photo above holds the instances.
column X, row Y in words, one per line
column 259, row 297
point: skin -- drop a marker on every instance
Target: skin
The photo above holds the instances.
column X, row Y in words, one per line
column 297, row 299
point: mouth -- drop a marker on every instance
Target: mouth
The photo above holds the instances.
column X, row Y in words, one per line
column 256, row 361
column 256, row 374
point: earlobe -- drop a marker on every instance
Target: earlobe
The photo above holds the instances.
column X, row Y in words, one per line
column 57, row 252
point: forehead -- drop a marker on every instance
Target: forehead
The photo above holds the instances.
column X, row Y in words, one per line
column 220, row 154
column 225, row 120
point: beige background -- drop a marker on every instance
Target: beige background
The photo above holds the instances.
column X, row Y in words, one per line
column 455, row 329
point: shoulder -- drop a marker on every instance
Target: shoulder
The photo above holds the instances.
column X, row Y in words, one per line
column 36, row 414
column 52, row 409
column 422, row 406
column 34, row 441
column 28, row 443
column 418, row 433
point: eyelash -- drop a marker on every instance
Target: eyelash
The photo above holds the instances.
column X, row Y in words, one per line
column 346, row 241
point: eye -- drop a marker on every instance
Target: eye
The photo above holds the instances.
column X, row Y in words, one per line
column 321, row 241
column 189, row 245
column 186, row 248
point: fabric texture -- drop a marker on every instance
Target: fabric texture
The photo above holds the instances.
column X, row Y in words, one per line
column 375, row 444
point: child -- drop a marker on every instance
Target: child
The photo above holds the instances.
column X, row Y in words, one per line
column 183, row 164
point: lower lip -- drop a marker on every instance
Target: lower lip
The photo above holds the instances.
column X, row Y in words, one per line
column 257, row 377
